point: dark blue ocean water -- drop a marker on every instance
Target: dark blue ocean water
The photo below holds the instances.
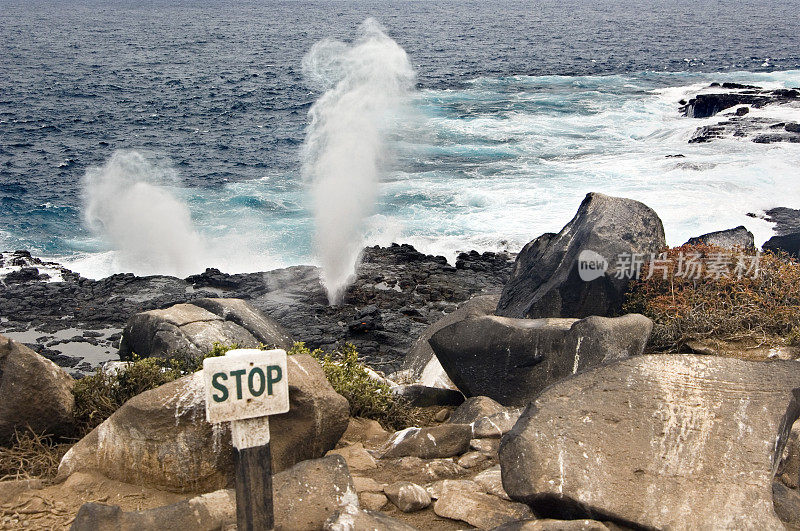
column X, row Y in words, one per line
column 528, row 104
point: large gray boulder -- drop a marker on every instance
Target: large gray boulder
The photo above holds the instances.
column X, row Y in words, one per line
column 657, row 441
column 193, row 328
column 305, row 497
column 35, row 393
column 512, row 360
column 421, row 361
column 546, row 281
column 160, row 438
column 736, row 238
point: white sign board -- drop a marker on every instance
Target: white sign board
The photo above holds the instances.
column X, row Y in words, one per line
column 246, row 383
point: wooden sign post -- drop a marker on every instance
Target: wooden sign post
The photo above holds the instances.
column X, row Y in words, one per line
column 244, row 387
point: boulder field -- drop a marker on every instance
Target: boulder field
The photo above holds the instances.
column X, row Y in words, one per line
column 544, row 407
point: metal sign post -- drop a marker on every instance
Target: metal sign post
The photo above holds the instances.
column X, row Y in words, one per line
column 244, row 387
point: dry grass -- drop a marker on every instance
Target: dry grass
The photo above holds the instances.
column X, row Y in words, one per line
column 31, row 455
column 764, row 310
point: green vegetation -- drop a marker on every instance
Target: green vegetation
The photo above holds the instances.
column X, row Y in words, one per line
column 97, row 396
column 760, row 310
column 101, row 394
column 368, row 397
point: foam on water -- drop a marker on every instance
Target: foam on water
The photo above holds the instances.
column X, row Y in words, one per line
column 496, row 163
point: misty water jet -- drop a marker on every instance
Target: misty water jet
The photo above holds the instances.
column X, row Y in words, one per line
column 366, row 84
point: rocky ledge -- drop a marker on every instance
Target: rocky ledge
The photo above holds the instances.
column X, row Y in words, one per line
column 398, row 293
column 739, row 100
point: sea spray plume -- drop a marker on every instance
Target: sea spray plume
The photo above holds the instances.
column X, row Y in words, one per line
column 127, row 203
column 366, row 85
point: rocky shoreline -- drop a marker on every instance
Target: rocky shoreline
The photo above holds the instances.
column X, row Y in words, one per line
column 735, row 102
column 549, row 408
column 397, row 294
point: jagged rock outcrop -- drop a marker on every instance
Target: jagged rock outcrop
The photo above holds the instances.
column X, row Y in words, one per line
column 161, row 438
column 604, row 236
column 736, row 238
column 422, row 362
column 657, row 441
column 192, row 329
column 512, row 360
column 34, row 393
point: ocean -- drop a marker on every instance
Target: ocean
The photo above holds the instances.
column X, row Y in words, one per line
column 167, row 137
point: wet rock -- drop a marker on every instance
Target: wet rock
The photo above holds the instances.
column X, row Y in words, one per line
column 480, row 510
column 408, row 497
column 789, row 243
column 658, row 441
column 546, row 282
column 738, row 237
column 445, row 440
column 34, row 393
column 512, row 360
column 161, row 438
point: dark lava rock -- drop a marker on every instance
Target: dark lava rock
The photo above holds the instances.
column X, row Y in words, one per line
column 411, row 290
column 738, row 237
column 546, row 281
column 512, row 360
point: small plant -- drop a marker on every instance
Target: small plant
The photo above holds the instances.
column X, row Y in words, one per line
column 368, row 398
column 101, row 394
column 762, row 308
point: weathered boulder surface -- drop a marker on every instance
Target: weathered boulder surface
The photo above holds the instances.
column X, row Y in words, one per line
column 422, row 362
column 546, row 281
column 445, row 440
column 497, row 425
column 353, row 519
column 547, row 524
column 512, row 360
column 34, row 392
column 407, row 496
column 483, row 511
column 207, row 512
column 193, row 328
column 474, row 408
column 161, row 438
column 305, row 497
column 738, row 237
column 658, row 441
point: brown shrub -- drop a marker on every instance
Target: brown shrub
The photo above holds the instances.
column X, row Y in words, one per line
column 764, row 308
